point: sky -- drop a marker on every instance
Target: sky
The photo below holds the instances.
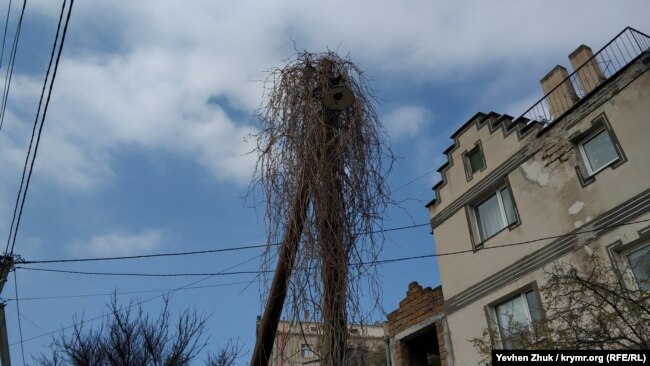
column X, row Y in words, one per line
column 146, row 144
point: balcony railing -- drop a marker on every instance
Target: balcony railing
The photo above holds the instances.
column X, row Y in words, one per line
column 620, row 51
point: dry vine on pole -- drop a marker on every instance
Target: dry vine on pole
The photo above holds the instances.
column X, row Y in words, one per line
column 321, row 169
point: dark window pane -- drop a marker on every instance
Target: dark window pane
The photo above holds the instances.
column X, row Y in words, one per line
column 475, row 158
column 533, row 307
column 640, row 265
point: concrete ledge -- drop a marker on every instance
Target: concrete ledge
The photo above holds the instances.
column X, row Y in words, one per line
column 418, row 328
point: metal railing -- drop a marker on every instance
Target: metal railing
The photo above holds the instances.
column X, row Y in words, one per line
column 620, row 51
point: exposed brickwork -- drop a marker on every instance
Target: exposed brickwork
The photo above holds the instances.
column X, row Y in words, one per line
column 556, row 150
column 553, row 147
column 419, row 305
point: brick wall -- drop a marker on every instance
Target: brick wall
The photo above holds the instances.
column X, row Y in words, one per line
column 419, row 307
column 554, row 147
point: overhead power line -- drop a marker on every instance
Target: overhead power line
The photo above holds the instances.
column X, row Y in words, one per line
column 156, row 255
column 205, row 251
column 137, row 303
column 13, row 231
column 120, row 293
column 4, row 36
column 413, row 180
column 382, row 261
column 143, row 274
column 12, row 60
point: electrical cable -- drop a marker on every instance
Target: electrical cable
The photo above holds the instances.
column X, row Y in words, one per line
column 20, row 324
column 382, row 261
column 173, row 254
column 143, row 274
column 12, row 62
column 157, row 255
column 140, row 302
column 450, row 158
column 413, row 180
column 31, row 141
column 22, row 315
column 505, row 245
column 40, row 130
column 119, row 293
column 4, row 37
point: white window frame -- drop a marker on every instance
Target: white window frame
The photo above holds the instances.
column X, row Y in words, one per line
column 585, row 157
column 502, row 212
column 619, row 256
column 625, row 260
column 521, row 294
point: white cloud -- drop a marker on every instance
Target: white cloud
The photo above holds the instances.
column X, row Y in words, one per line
column 139, row 73
column 518, row 107
column 406, row 121
column 119, row 244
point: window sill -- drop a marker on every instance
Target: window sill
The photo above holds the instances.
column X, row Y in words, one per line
column 613, row 162
column 481, row 245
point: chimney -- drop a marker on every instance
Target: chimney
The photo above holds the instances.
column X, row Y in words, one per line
column 562, row 97
column 587, row 68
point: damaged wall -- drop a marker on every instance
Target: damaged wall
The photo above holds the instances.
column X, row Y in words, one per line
column 418, row 327
column 581, row 212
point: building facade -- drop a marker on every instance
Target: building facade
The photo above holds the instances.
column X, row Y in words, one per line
column 567, row 180
column 417, row 330
column 296, row 343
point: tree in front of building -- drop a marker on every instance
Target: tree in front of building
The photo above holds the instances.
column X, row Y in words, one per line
column 585, row 307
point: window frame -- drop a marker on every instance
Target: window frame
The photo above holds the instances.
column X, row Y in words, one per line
column 585, row 156
column 474, row 217
column 586, row 175
column 635, row 278
column 469, row 173
column 491, row 311
column 619, row 256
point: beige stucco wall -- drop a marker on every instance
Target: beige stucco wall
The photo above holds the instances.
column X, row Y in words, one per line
column 500, row 146
column 292, row 335
column 549, row 198
column 469, row 322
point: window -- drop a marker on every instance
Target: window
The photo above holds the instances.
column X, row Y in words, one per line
column 495, row 213
column 598, row 151
column 306, row 351
column 597, row 148
column 639, row 264
column 631, row 261
column 474, row 161
column 515, row 318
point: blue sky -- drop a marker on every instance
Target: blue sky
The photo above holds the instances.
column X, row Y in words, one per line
column 143, row 148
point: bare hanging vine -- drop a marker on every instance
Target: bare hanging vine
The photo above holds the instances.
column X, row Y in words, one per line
column 337, row 159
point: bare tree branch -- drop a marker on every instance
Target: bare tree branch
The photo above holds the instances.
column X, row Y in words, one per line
column 126, row 338
column 590, row 308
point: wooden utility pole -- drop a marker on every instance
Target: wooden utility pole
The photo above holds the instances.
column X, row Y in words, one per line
column 269, row 323
column 334, row 278
column 4, row 341
column 335, row 260
column 6, row 262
